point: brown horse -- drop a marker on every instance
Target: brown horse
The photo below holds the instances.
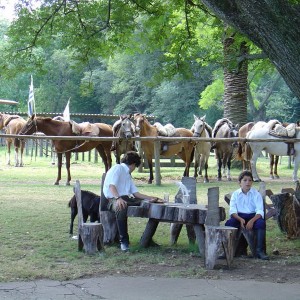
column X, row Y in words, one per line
column 124, row 129
column 13, row 124
column 58, row 128
column 184, row 149
column 224, row 128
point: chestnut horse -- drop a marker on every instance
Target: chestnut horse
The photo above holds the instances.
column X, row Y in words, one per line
column 13, row 124
column 52, row 127
column 184, row 149
column 124, row 129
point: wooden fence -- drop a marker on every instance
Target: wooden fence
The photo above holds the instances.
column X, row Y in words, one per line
column 156, row 140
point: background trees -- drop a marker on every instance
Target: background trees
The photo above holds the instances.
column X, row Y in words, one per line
column 162, row 58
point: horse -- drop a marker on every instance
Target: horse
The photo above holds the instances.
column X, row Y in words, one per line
column 275, row 148
column 202, row 149
column 224, row 128
column 13, row 124
column 244, row 153
column 52, row 127
column 184, row 149
column 90, row 207
column 124, row 129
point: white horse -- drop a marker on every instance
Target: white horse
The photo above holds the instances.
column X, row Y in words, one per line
column 275, row 148
column 202, row 149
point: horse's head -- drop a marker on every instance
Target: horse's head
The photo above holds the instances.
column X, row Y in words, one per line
column 199, row 126
column 139, row 121
column 127, row 128
column 234, row 133
column 30, row 127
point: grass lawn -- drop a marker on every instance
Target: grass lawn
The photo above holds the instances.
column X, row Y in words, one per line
column 34, row 221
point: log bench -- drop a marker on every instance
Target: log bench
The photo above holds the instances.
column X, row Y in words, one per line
column 90, row 235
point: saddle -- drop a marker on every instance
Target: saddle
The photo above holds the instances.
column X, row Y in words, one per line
column 219, row 124
column 12, row 117
column 285, row 132
column 85, row 128
column 167, row 130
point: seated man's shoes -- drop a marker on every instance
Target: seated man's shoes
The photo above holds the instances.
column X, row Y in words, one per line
column 262, row 255
column 124, row 247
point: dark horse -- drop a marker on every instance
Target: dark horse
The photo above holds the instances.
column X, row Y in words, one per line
column 13, row 124
column 224, row 128
column 184, row 149
column 90, row 207
column 58, row 128
column 125, row 130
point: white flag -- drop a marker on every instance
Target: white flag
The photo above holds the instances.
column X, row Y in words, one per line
column 31, row 102
column 66, row 113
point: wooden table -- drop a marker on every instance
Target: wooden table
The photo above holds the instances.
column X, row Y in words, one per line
column 192, row 214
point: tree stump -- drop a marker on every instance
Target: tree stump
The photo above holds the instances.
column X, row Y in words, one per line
column 217, row 237
column 108, row 219
column 90, row 235
column 288, row 213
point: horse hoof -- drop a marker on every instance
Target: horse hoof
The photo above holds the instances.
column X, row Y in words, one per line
column 56, row 183
column 277, row 177
column 229, row 179
column 271, row 177
column 67, row 183
column 219, row 179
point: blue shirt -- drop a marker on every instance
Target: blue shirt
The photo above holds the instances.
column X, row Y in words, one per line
column 251, row 202
column 120, row 177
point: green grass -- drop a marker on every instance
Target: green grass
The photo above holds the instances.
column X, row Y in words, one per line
column 34, row 223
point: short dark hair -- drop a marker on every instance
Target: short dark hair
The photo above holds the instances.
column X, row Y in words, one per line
column 130, row 158
column 245, row 173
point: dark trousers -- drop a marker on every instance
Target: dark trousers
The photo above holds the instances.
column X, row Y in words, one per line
column 258, row 224
column 121, row 215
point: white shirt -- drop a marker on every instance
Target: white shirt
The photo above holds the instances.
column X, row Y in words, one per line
column 251, row 202
column 120, row 177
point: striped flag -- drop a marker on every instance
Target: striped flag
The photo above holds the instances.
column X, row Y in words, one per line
column 66, row 113
column 31, row 102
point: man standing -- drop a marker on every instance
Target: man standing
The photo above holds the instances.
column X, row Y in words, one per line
column 119, row 188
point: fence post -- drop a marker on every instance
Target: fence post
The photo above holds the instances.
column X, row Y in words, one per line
column 157, row 162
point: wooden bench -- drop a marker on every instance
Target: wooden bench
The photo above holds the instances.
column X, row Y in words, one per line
column 90, row 235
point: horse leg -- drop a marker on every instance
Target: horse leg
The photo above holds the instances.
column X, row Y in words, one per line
column 253, row 165
column 196, row 165
column 8, row 152
column 205, row 180
column 219, row 167
column 228, row 168
column 59, row 164
column 68, row 164
column 275, row 167
column 271, row 165
column 16, row 156
column 21, row 153
column 296, row 166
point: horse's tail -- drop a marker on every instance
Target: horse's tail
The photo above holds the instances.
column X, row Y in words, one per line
column 248, row 152
column 240, row 150
column 17, row 143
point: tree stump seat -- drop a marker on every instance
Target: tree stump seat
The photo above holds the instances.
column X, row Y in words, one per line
column 217, row 237
column 90, row 235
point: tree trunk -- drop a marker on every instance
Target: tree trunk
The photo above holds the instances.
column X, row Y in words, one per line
column 235, row 81
column 273, row 25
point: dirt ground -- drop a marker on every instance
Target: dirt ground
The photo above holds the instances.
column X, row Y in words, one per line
column 275, row 270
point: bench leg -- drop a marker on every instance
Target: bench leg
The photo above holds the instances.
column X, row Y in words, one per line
column 200, row 238
column 149, row 233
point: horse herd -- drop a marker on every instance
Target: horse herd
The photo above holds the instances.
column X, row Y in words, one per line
column 138, row 125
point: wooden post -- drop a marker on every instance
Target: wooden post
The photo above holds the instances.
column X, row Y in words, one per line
column 157, row 162
column 108, row 219
column 213, row 213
